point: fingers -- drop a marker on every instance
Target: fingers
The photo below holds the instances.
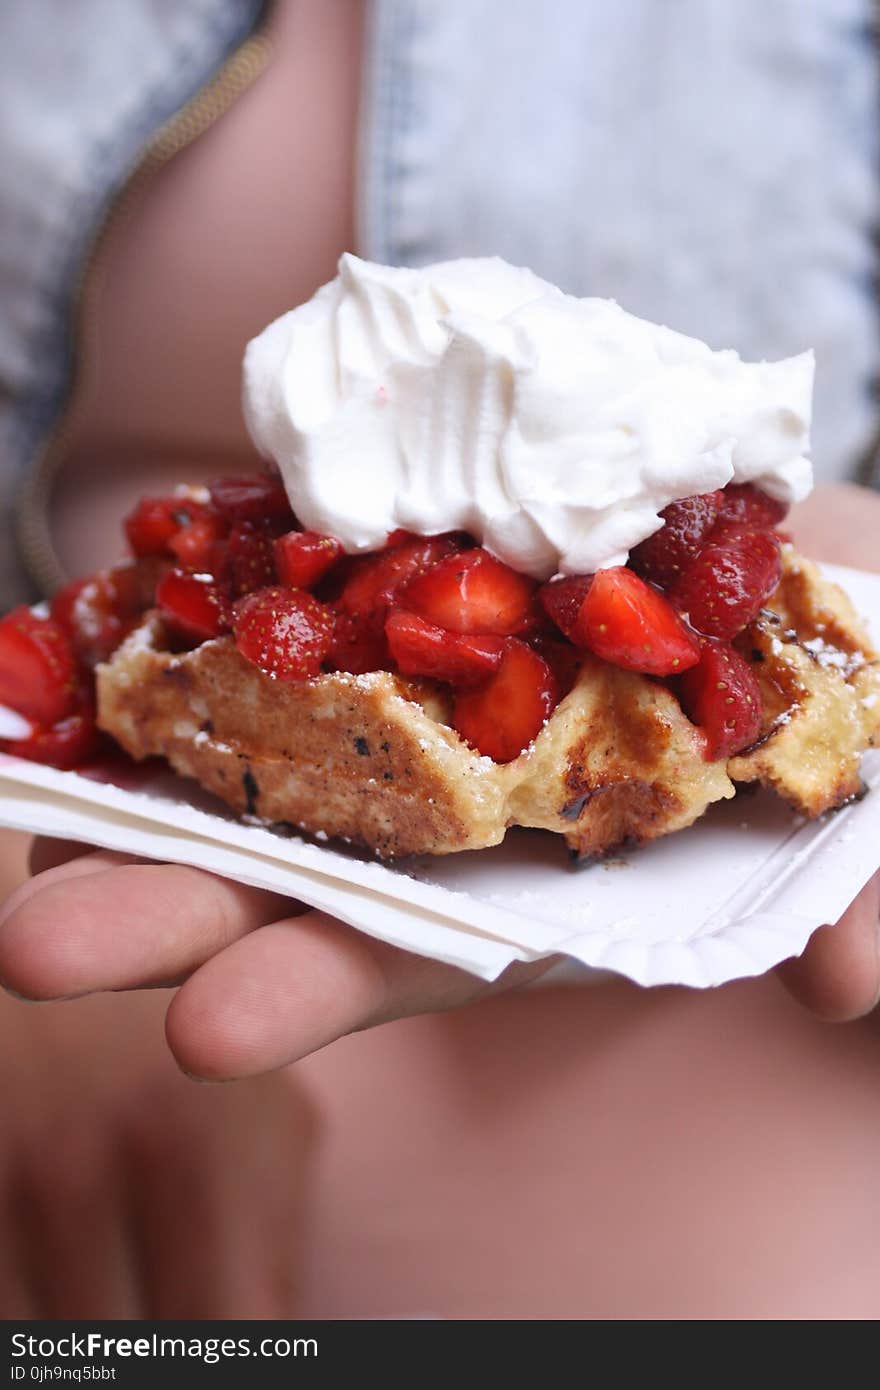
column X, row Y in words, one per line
column 838, row 975
column 294, row 986
column 92, row 863
column 102, row 923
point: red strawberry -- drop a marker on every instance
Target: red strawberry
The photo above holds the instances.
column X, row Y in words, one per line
column 66, row 744
column 194, row 544
column 99, row 612
column 397, row 537
column 249, row 561
column 193, row 605
column 420, row 649
column 302, row 558
column 502, row 717
column 37, row 667
column 286, row 632
column 374, row 580
column 252, row 497
column 472, row 592
column 722, row 696
column 358, row 645
column 562, row 599
column 748, row 505
column 564, row 660
column 729, row 581
column 155, row 520
column 627, row 622
column 665, row 555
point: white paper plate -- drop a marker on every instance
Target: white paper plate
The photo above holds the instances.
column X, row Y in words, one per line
column 732, row 896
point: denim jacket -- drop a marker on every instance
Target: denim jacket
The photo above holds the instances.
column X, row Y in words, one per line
column 711, row 165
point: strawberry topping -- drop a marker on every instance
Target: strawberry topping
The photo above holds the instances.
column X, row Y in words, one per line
column 193, row 546
column 421, row 649
column 562, row 600
column 286, row 632
column 664, row 557
column 358, row 645
column 98, row 613
column 748, row 505
column 67, row 744
column 252, row 497
column 437, row 607
column 564, row 660
column 156, row 520
column 302, row 558
column 249, row 561
column 37, row 667
column 722, row 696
column 627, row 622
column 502, row 717
column 728, row 583
column 472, row 592
column 374, row 580
column 192, row 605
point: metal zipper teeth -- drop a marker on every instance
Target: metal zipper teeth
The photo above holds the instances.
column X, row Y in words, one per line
column 32, row 525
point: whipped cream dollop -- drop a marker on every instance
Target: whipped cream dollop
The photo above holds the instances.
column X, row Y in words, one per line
column 473, row 395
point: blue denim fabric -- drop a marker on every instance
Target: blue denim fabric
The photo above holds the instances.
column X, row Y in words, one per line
column 710, row 164
column 82, row 88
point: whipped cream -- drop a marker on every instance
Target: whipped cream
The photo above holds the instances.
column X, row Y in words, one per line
column 473, row 395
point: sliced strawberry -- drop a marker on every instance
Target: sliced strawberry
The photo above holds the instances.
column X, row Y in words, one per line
column 156, row 520
column 374, row 580
column 722, row 696
column 302, row 558
column 502, row 717
column 730, row 580
column 358, row 645
column 99, row 612
column 66, row 744
column 562, row 599
column 249, row 561
column 564, row 660
column 397, row 537
column 472, row 592
column 627, row 622
column 37, row 667
column 748, row 505
column 663, row 557
column 286, row 632
column 251, row 497
column 421, row 649
column 194, row 545
column 193, row 605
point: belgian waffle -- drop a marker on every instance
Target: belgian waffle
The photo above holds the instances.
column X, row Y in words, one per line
column 373, row 759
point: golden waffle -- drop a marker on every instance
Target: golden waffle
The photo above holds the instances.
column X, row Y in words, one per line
column 372, row 758
column 820, row 683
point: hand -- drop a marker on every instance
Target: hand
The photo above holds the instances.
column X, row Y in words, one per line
column 127, row 1192
column 261, row 981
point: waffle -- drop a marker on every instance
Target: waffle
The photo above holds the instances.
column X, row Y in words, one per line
column 820, row 684
column 372, row 758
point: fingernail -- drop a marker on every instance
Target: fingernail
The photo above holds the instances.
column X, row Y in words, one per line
column 202, row 1080
column 14, row 994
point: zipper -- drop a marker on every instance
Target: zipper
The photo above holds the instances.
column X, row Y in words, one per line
column 31, row 510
